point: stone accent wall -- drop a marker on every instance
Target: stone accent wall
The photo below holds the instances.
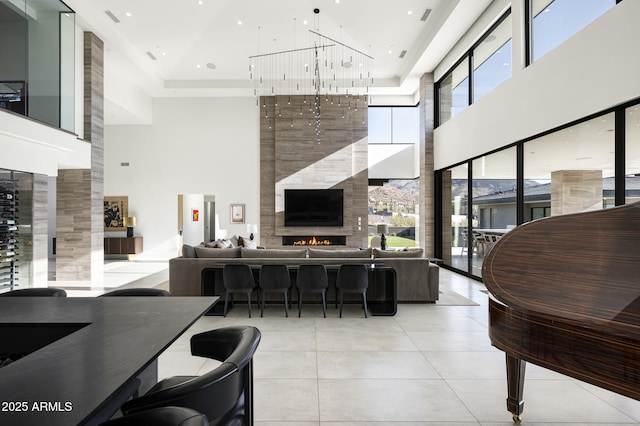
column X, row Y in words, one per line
column 427, row 214
column 447, row 236
column 575, row 191
column 293, row 156
column 79, row 212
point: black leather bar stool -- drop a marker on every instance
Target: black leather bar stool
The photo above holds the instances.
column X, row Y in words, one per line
column 275, row 279
column 353, row 278
column 36, row 292
column 312, row 278
column 237, row 278
column 162, row 416
column 125, row 292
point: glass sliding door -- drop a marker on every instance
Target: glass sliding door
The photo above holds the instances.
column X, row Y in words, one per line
column 493, row 202
column 571, row 170
column 632, row 153
column 455, row 218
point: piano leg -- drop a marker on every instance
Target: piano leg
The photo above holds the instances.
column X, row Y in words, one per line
column 515, row 386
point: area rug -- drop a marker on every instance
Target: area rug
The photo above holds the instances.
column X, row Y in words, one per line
column 451, row 298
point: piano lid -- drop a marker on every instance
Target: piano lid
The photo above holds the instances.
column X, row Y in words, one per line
column 583, row 267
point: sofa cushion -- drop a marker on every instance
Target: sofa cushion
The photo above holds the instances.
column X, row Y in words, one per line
column 188, row 251
column 273, row 253
column 377, row 253
column 345, row 253
column 217, row 252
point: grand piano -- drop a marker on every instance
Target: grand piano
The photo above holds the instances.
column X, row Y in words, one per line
column 565, row 295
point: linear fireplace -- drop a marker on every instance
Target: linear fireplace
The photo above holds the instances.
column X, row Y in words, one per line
column 339, row 240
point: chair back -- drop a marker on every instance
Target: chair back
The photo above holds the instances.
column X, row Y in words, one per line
column 352, row 277
column 237, row 276
column 36, row 292
column 312, row 277
column 220, row 394
column 274, row 277
column 153, row 292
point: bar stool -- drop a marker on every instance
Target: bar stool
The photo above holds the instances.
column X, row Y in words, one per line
column 275, row 279
column 237, row 278
column 353, row 278
column 312, row 279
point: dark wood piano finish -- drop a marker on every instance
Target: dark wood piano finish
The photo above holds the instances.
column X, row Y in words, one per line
column 565, row 295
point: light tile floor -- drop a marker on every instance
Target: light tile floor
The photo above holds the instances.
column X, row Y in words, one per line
column 428, row 365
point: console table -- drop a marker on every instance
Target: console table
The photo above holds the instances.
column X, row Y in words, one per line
column 83, row 352
column 122, row 245
column 382, row 298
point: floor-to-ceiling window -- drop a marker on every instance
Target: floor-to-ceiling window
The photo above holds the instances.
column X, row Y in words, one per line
column 493, row 202
column 632, row 154
column 455, row 217
column 570, row 170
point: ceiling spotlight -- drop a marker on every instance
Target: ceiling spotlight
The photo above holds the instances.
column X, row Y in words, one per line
column 305, row 22
column 128, row 14
column 198, row 66
column 239, row 22
column 200, row 2
column 410, row 12
column 337, row 1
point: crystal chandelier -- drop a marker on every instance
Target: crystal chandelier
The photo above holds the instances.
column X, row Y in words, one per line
column 328, row 70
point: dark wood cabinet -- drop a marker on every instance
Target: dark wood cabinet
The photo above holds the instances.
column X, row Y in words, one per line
column 123, row 245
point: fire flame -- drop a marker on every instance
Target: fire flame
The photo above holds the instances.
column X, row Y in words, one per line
column 313, row 241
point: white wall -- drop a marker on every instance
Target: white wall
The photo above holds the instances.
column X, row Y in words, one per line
column 194, row 146
column 594, row 70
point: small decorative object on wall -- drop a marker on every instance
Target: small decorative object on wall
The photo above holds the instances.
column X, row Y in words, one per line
column 115, row 210
column 195, row 215
column 237, row 213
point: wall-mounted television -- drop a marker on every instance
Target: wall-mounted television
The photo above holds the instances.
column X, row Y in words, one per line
column 313, row 207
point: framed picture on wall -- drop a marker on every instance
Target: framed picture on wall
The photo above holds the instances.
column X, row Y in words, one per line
column 115, row 210
column 195, row 215
column 237, row 213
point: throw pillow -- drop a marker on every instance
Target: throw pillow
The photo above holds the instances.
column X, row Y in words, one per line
column 249, row 244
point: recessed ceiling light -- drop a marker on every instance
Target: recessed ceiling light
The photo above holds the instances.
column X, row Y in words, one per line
column 198, row 66
column 128, row 14
column 337, row 1
column 305, row 22
column 239, row 22
column 164, row 53
column 200, row 2
column 410, row 12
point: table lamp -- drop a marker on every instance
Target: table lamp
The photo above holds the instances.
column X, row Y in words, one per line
column 129, row 222
column 252, row 229
column 383, row 229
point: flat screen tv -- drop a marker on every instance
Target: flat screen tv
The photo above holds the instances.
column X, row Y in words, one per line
column 313, row 207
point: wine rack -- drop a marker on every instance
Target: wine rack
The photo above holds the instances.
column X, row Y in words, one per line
column 9, row 235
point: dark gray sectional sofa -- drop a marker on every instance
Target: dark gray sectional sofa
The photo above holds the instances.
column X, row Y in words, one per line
column 417, row 278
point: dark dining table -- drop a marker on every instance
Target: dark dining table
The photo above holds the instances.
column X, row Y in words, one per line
column 75, row 358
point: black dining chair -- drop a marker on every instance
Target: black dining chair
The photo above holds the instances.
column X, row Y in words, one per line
column 225, row 394
column 275, row 279
column 161, row 416
column 36, row 292
column 237, row 278
column 312, row 278
column 353, row 278
column 146, row 292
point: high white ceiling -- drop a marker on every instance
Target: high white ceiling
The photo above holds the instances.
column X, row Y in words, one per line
column 186, row 35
